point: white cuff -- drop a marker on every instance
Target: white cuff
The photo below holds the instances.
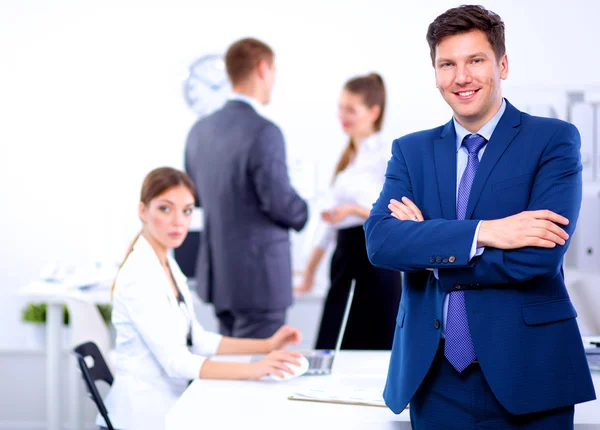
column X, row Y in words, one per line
column 476, row 252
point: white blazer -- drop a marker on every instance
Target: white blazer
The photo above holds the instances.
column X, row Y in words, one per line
column 153, row 363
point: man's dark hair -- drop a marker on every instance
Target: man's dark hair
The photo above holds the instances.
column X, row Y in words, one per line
column 464, row 19
column 243, row 56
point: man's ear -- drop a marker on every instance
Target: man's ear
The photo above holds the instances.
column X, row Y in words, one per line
column 142, row 212
column 261, row 68
column 504, row 67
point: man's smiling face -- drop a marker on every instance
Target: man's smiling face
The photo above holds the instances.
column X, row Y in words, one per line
column 468, row 76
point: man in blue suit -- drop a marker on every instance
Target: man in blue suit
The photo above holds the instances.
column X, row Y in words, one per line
column 478, row 214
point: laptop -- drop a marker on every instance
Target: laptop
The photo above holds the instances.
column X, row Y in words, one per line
column 320, row 362
column 592, row 352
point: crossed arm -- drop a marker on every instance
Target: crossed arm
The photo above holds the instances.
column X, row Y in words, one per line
column 518, row 247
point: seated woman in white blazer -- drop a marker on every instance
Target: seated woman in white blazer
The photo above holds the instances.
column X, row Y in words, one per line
column 160, row 346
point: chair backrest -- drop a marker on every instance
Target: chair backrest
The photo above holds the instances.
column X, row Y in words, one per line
column 87, row 325
column 99, row 371
column 186, row 254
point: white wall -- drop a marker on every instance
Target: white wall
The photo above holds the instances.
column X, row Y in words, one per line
column 91, row 99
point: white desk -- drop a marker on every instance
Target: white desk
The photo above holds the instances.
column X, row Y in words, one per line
column 55, row 296
column 264, row 405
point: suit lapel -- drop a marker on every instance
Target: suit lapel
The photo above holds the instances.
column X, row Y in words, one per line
column 503, row 135
column 154, row 269
column 445, row 167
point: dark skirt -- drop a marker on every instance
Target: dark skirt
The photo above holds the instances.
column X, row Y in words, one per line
column 372, row 319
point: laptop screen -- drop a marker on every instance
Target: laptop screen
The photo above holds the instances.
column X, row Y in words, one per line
column 338, row 344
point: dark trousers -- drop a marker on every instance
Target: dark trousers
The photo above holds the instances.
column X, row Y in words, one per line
column 250, row 324
column 377, row 294
column 449, row 400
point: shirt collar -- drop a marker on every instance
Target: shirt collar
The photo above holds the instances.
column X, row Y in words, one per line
column 485, row 131
column 143, row 247
column 256, row 105
column 371, row 141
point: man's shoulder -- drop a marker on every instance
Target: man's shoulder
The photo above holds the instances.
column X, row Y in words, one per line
column 233, row 120
column 420, row 137
column 540, row 121
column 528, row 120
column 234, row 112
column 545, row 130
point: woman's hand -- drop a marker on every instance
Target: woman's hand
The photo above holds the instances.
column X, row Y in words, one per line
column 337, row 214
column 308, row 280
column 405, row 210
column 284, row 336
column 274, row 364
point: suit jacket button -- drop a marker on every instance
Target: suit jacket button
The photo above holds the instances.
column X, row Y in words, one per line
column 457, row 286
column 445, row 260
column 436, row 324
column 438, row 260
column 452, row 259
column 432, row 259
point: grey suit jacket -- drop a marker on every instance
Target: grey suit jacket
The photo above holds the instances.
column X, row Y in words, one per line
column 236, row 159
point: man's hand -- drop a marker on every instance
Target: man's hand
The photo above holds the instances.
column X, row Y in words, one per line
column 283, row 337
column 405, row 210
column 529, row 228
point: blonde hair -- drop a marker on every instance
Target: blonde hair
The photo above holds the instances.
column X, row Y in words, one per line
column 112, row 287
column 157, row 182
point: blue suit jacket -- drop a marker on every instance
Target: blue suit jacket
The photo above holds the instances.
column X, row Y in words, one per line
column 521, row 318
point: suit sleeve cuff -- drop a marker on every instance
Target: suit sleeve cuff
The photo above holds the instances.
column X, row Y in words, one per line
column 192, row 367
column 475, row 252
column 205, row 342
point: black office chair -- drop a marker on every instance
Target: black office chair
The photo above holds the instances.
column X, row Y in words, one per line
column 98, row 371
column 186, row 254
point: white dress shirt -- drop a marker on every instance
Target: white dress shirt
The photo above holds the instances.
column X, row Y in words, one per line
column 358, row 184
column 462, row 157
column 153, row 362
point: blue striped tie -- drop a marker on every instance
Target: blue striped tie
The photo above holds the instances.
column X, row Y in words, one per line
column 459, row 348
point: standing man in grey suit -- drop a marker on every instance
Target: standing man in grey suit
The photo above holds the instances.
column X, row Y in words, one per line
column 236, row 158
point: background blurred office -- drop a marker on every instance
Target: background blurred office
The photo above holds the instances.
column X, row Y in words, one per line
column 95, row 95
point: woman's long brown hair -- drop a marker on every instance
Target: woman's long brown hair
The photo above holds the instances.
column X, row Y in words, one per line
column 156, row 183
column 372, row 90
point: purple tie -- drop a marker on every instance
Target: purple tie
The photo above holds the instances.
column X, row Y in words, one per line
column 459, row 348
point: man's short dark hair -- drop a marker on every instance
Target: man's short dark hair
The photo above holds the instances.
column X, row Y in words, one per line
column 464, row 19
column 243, row 56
